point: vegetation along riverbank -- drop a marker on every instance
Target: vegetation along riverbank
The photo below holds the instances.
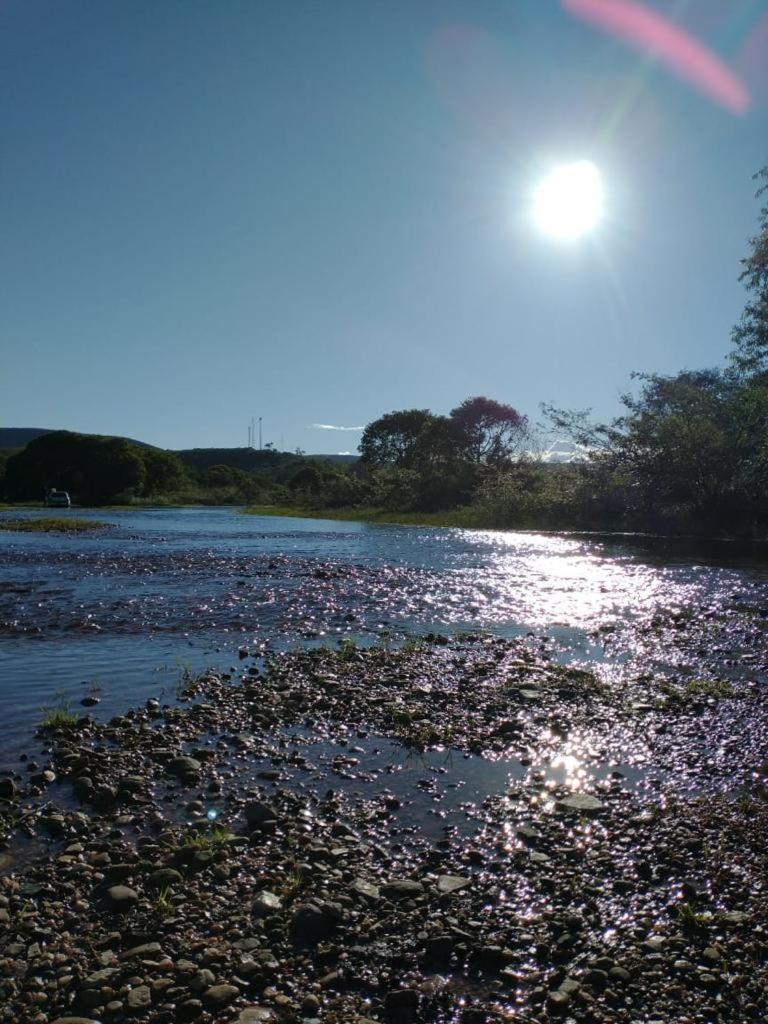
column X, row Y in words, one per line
column 686, row 455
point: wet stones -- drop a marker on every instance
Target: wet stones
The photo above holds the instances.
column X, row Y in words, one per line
column 265, row 904
column 8, row 788
column 259, row 814
column 186, row 769
column 256, row 1015
column 580, row 803
column 313, row 922
column 164, row 877
column 120, row 899
column 402, row 889
column 219, row 997
column 448, row 884
column 139, row 999
column 360, row 887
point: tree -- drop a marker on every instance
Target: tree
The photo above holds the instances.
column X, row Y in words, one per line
column 164, row 471
column 750, row 335
column 491, row 433
column 390, row 441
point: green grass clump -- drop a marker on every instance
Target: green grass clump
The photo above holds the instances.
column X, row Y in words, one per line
column 696, row 690
column 217, row 837
column 52, row 524
column 59, row 717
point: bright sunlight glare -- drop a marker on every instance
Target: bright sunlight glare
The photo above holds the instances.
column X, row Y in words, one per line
column 569, row 201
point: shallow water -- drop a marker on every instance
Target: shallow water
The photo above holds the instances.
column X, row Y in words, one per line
column 124, row 613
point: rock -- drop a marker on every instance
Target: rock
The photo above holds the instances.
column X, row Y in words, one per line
column 580, row 803
column 366, row 889
column 99, row 978
column 147, row 950
column 313, row 922
column 75, row 1020
column 183, row 766
column 121, row 898
column 402, row 1002
column 402, row 889
column 557, row 1002
column 164, row 876
column 257, row 813
column 447, row 884
column 256, row 1015
column 266, row 903
column 8, row 789
column 310, row 1006
column 218, row 997
column 139, row 999
column 189, row 1010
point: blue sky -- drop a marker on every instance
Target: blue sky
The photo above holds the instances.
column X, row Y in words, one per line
column 316, row 212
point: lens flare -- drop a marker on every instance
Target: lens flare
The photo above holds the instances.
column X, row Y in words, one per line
column 652, row 34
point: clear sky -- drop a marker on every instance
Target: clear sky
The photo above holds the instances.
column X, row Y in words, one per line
column 317, row 212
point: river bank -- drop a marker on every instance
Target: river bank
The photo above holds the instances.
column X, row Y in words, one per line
column 290, row 843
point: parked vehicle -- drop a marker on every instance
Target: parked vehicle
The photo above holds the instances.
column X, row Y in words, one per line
column 58, row 499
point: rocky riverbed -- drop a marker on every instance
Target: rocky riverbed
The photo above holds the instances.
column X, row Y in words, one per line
column 289, row 842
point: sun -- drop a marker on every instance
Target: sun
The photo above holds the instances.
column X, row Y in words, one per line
column 568, row 203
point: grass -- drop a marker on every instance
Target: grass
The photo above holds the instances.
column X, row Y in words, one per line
column 60, row 716
column 691, row 922
column 696, row 690
column 417, row 733
column 460, row 517
column 50, row 524
column 163, row 904
column 217, row 837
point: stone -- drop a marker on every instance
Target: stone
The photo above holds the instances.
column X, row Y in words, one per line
column 401, row 999
column 580, row 803
column 151, row 950
column 402, row 889
column 139, row 999
column 218, row 997
column 164, row 876
column 266, row 903
column 99, row 978
column 256, row 1015
column 74, row 1020
column 122, row 898
column 447, row 884
column 366, row 889
column 257, row 813
column 190, row 1009
column 8, row 789
column 313, row 922
column 183, row 766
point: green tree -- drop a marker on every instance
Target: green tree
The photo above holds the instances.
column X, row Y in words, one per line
column 164, row 472
column 390, row 441
column 750, row 335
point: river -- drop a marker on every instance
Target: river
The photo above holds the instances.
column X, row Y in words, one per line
column 123, row 614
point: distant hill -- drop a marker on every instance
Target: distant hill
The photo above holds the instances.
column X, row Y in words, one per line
column 19, row 437
column 12, row 438
column 336, row 458
column 249, row 458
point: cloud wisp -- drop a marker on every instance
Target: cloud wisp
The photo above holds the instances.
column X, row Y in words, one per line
column 332, row 426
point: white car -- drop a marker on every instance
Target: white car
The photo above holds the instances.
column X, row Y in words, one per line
column 58, row 499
